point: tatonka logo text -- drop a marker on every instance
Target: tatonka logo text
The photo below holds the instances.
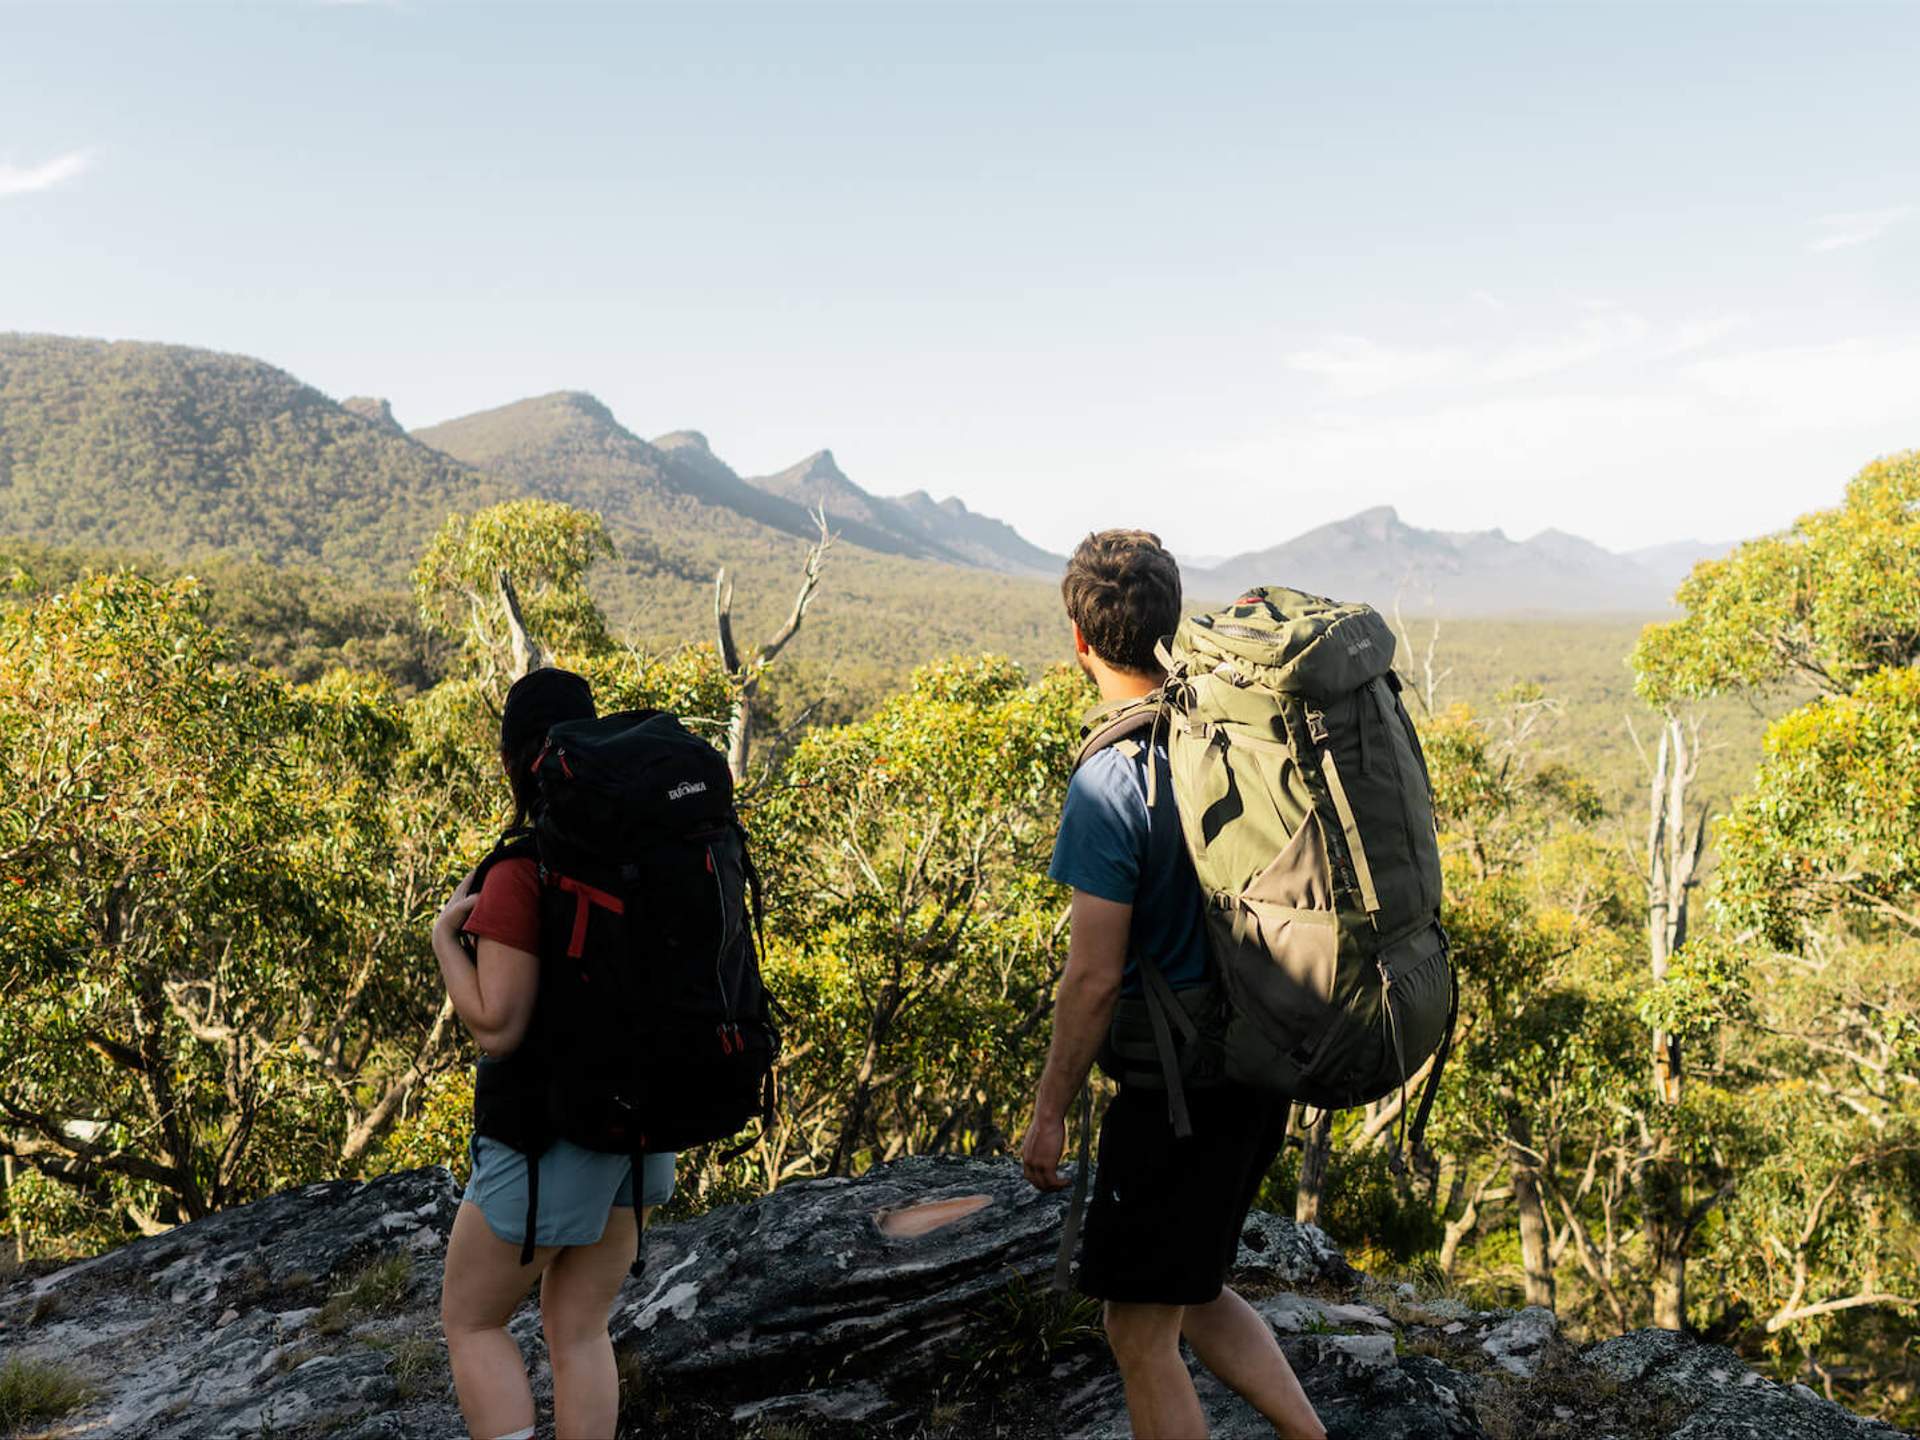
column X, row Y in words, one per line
column 686, row 788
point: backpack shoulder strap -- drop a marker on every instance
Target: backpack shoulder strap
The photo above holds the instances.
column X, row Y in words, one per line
column 1111, row 724
column 513, row 845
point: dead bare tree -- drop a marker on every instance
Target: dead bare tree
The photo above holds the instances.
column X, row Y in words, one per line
column 1426, row 687
column 746, row 672
column 1675, row 840
column 526, row 649
column 1676, row 836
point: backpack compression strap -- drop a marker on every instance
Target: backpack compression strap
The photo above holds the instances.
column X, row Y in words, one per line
column 1077, row 1205
column 1416, row 1141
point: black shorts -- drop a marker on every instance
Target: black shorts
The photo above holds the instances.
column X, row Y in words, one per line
column 1164, row 1219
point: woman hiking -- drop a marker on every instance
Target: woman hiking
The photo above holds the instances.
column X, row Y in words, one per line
column 584, row 1235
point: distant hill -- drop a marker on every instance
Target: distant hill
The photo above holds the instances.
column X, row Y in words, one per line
column 678, row 512
column 979, row 539
column 1377, row 557
column 915, row 524
column 186, row 452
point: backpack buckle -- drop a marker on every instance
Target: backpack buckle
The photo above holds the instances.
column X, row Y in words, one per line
column 1317, row 726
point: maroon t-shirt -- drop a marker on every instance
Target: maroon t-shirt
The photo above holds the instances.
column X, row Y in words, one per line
column 509, row 907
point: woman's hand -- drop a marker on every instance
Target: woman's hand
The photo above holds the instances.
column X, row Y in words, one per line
column 459, row 905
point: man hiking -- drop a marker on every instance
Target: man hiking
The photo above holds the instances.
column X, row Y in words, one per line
column 1164, row 1221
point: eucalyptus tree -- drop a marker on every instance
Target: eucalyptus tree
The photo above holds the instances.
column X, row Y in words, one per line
column 1808, row 978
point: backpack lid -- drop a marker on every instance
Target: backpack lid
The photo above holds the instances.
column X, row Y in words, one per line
column 1290, row 641
column 609, row 783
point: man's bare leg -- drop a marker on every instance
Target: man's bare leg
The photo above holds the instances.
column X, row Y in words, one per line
column 1161, row 1402
column 1238, row 1346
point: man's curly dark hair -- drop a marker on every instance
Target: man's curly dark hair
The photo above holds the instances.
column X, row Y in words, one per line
column 1123, row 590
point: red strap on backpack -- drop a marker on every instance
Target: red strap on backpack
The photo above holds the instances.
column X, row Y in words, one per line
column 585, row 897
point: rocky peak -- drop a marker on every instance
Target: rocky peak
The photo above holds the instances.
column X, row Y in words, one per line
column 837, row 1308
column 374, row 410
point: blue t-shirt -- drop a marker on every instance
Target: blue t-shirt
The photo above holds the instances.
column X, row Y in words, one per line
column 1112, row 846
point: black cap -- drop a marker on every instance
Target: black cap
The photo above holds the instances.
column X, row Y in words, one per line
column 539, row 700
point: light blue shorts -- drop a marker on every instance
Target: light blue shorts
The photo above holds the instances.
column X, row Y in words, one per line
column 577, row 1189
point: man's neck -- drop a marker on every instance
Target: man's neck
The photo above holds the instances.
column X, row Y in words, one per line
column 1122, row 684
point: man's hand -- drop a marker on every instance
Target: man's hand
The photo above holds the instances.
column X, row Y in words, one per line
column 1042, row 1150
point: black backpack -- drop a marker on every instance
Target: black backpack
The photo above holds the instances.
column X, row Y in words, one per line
column 651, row 1031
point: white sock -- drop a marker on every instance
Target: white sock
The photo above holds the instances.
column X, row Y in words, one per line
column 526, row 1434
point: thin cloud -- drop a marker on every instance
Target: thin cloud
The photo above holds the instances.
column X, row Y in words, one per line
column 26, row 179
column 1858, row 227
column 1355, row 367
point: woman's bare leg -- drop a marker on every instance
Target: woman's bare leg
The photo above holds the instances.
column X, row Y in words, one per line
column 484, row 1284
column 576, row 1297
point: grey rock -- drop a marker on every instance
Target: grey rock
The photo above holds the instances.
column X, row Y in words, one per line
column 147, row 1324
column 803, row 1283
column 1284, row 1251
column 799, row 1307
column 1360, row 1388
column 1730, row 1401
column 1516, row 1343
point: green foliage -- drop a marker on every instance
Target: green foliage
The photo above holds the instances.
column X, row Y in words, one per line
column 1827, row 603
column 547, row 548
column 212, row 903
column 1022, row 1329
column 1832, row 823
column 1806, row 984
column 1707, row 985
column 33, row 1392
column 433, row 1129
column 296, row 621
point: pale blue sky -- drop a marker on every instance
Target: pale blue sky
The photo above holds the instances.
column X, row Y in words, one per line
column 1638, row 271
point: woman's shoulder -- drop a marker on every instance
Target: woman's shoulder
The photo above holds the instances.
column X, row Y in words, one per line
column 508, row 909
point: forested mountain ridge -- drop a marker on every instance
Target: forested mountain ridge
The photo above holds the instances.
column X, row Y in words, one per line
column 178, row 454
column 917, row 523
column 568, row 446
column 189, row 452
column 677, row 513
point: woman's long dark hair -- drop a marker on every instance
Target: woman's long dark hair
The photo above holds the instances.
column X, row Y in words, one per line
column 535, row 703
column 521, row 779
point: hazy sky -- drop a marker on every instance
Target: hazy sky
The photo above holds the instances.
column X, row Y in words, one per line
column 1641, row 272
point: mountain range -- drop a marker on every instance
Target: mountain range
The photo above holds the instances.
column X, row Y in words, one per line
column 183, row 452
column 1377, row 557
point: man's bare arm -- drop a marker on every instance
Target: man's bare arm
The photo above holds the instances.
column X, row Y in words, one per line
column 1096, row 959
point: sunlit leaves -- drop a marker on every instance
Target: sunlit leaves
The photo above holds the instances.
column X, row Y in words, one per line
column 1826, row 603
column 547, row 548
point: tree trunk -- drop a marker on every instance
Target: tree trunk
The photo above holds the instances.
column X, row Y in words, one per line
column 1663, row 1199
column 1535, row 1253
column 854, row 1125
column 13, row 1215
column 1672, row 863
column 1315, row 1155
column 745, row 671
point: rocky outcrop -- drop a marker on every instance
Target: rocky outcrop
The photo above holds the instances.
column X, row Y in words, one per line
column 375, row 410
column 911, row 1301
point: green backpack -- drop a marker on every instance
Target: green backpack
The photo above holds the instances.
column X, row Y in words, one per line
column 1304, row 799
